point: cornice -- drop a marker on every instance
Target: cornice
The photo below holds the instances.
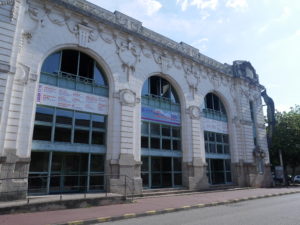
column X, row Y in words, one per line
column 131, row 26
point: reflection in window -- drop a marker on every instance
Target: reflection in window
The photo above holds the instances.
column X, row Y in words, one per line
column 159, row 87
column 75, row 63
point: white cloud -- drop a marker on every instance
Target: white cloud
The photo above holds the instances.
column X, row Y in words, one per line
column 237, row 4
column 151, row 6
column 184, row 4
column 200, row 4
column 201, row 44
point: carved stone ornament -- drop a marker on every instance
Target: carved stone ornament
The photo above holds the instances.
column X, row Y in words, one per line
column 127, row 97
column 192, row 75
column 162, row 59
column 37, row 16
column 129, row 54
column 22, row 74
column 83, row 32
column 105, row 34
column 194, row 112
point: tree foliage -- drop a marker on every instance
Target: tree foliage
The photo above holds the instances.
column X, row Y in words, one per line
column 286, row 137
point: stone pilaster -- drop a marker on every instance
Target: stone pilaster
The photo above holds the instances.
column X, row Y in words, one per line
column 128, row 167
column 194, row 171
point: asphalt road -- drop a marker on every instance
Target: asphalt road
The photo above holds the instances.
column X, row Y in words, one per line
column 282, row 210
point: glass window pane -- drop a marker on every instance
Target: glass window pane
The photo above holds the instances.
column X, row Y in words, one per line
column 219, row 149
column 226, row 149
column 155, row 85
column 155, row 143
column 81, row 136
column 51, row 64
column 155, row 164
column 178, row 179
column 64, row 116
column 86, row 66
column 97, row 163
column 145, row 178
column 99, row 76
column 98, row 138
column 165, row 89
column 216, row 103
column 62, row 134
column 176, row 132
column 42, row 133
column 98, row 121
column 219, row 137
column 177, row 164
column 145, row 126
column 39, row 162
column 82, row 119
column 209, row 101
column 174, row 97
column 155, row 129
column 212, row 148
column 206, row 147
column 166, row 131
column 144, row 142
column 176, row 145
column 211, row 137
column 166, row 144
column 145, row 90
column 69, row 61
column 225, row 138
column 166, row 164
column 145, row 163
column 44, row 114
column 166, row 180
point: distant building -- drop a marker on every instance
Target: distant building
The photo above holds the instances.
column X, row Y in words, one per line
column 87, row 96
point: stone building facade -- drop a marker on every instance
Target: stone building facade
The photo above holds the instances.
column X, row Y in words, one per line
column 87, row 95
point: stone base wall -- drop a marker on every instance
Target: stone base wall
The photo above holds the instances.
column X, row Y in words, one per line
column 246, row 175
column 129, row 172
column 13, row 177
column 194, row 175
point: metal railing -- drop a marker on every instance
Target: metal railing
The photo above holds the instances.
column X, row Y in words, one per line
column 213, row 114
column 73, row 82
column 63, row 185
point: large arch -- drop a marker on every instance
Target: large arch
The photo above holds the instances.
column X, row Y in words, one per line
column 72, row 129
column 160, row 153
column 218, row 151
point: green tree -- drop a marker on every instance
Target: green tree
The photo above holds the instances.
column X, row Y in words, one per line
column 286, row 137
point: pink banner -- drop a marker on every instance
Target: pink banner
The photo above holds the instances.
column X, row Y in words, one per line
column 75, row 100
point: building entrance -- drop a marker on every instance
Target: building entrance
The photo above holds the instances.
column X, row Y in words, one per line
column 57, row 172
column 161, row 172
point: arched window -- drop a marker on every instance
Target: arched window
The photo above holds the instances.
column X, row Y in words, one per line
column 160, row 135
column 74, row 70
column 217, row 146
column 214, row 108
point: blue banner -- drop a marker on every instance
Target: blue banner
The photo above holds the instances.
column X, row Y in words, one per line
column 160, row 115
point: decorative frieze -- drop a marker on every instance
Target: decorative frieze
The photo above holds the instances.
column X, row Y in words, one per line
column 129, row 54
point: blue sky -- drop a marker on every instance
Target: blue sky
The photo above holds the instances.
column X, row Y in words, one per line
column 264, row 32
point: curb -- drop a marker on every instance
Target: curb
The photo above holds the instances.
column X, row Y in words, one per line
column 170, row 210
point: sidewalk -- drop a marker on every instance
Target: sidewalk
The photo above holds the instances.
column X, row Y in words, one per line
column 142, row 207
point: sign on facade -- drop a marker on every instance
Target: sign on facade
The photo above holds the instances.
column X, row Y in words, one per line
column 74, row 100
column 160, row 115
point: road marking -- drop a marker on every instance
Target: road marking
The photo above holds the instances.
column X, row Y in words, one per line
column 129, row 215
column 169, row 209
column 104, row 219
column 151, row 212
column 78, row 222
